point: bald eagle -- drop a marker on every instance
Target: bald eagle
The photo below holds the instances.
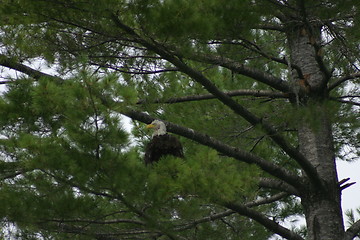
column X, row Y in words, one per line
column 161, row 144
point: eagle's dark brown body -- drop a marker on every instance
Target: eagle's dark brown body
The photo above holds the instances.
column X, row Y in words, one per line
column 161, row 145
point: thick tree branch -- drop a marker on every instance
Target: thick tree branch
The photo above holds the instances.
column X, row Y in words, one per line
column 352, row 231
column 267, row 166
column 13, row 64
column 344, row 101
column 181, row 227
column 291, row 151
column 267, row 200
column 263, row 220
column 227, row 150
column 275, row 170
column 227, row 100
column 233, row 93
column 342, row 80
column 255, row 48
column 226, row 213
column 263, row 77
column 278, row 184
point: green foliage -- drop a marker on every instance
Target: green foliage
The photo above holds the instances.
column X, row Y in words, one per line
column 205, row 175
column 69, row 150
column 352, row 217
column 68, row 168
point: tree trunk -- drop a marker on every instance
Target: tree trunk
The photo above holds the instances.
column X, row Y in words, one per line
column 322, row 204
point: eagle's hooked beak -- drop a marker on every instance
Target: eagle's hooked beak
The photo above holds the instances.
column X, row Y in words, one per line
column 150, row 126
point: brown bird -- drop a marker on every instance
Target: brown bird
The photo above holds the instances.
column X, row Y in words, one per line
column 161, row 144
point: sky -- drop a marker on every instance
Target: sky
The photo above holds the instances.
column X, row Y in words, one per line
column 351, row 195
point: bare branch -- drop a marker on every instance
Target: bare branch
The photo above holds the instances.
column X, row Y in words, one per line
column 343, row 186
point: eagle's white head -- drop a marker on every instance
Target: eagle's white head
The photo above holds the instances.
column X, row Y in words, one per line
column 158, row 126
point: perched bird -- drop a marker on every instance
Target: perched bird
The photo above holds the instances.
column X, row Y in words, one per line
column 161, row 144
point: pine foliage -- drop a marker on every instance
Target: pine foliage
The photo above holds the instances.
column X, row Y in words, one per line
column 219, row 73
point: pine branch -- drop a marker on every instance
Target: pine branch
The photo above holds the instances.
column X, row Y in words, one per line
column 227, row 100
column 342, row 80
column 255, row 48
column 267, row 166
column 226, row 213
column 263, row 220
column 98, row 222
column 97, row 234
column 128, row 71
column 263, row 77
column 352, row 231
column 233, row 93
column 225, row 149
column 10, row 170
column 13, row 175
column 197, row 76
column 241, row 155
column 120, row 197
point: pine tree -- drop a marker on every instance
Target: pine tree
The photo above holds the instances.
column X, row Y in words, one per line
column 263, row 94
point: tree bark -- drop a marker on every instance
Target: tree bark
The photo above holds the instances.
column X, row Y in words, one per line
column 322, row 203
